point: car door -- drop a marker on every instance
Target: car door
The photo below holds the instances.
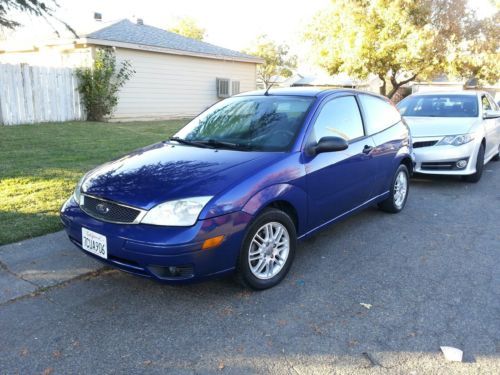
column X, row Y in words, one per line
column 383, row 123
column 491, row 127
column 338, row 181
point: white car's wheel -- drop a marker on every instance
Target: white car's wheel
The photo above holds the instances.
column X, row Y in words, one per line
column 479, row 166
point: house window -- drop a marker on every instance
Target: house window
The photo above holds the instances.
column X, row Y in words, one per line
column 235, row 87
column 222, row 87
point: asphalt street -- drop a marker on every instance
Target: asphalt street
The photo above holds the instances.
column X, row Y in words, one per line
column 377, row 293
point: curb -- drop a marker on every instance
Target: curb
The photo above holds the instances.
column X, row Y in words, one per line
column 39, row 263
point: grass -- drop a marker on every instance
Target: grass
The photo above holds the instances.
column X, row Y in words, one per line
column 40, row 165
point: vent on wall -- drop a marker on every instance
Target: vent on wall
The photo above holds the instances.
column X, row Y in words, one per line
column 235, row 87
column 222, row 87
column 97, row 16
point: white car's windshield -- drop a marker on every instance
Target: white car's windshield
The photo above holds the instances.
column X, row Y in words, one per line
column 264, row 123
column 439, row 105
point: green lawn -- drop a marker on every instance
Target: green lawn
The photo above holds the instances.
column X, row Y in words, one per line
column 40, row 165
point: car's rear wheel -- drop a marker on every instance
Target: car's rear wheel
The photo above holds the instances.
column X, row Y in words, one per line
column 479, row 166
column 399, row 191
column 268, row 250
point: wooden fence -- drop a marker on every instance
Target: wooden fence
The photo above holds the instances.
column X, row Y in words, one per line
column 32, row 94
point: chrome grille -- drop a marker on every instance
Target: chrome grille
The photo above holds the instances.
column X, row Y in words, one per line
column 109, row 211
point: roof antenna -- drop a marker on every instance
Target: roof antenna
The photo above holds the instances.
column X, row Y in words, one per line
column 267, row 90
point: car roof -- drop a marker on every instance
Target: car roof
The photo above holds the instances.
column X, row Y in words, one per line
column 316, row 92
column 456, row 92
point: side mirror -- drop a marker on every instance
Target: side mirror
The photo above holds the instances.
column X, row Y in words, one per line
column 491, row 114
column 328, row 144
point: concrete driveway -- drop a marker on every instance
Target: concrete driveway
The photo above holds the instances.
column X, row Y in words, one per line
column 378, row 293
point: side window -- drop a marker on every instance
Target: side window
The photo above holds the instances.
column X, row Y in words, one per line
column 379, row 113
column 340, row 118
column 486, row 103
column 493, row 104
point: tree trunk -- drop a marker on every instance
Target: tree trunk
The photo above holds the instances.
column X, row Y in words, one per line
column 383, row 88
column 396, row 85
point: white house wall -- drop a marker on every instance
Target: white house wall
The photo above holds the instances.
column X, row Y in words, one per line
column 172, row 86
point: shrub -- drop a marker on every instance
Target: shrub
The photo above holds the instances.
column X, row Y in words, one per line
column 99, row 84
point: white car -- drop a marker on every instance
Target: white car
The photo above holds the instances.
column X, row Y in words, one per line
column 454, row 133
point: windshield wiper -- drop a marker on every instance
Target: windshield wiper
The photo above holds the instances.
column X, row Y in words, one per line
column 230, row 145
column 190, row 143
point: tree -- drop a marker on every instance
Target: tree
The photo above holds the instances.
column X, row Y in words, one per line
column 188, row 27
column 99, row 84
column 44, row 9
column 398, row 40
column 277, row 61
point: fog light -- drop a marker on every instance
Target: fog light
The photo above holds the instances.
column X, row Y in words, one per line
column 461, row 164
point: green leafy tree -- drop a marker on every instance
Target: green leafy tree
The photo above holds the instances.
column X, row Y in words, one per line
column 99, row 84
column 44, row 9
column 277, row 60
column 188, row 27
column 400, row 40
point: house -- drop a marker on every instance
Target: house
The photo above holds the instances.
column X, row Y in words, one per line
column 174, row 76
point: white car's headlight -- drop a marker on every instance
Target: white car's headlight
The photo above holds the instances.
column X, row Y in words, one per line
column 179, row 213
column 456, row 140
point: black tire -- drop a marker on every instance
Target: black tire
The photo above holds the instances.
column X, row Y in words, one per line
column 244, row 274
column 479, row 166
column 389, row 205
column 497, row 156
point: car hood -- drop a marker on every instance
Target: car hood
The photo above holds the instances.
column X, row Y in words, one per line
column 164, row 172
column 439, row 126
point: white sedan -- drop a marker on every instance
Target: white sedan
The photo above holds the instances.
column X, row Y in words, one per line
column 454, row 133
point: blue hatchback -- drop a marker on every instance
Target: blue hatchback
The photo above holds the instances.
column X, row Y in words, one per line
column 236, row 188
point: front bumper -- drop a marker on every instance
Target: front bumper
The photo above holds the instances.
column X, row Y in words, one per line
column 150, row 251
column 442, row 159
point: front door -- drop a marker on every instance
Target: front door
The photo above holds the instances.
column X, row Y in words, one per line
column 339, row 181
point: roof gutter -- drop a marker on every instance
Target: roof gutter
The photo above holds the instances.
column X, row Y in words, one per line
column 170, row 51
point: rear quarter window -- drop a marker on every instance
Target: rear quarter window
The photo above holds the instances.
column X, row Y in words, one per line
column 379, row 114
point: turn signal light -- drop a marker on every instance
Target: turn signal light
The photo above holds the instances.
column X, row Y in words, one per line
column 212, row 242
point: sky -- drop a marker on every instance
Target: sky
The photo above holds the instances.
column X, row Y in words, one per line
column 229, row 23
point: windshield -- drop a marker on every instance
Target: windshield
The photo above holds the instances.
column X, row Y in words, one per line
column 263, row 123
column 439, row 106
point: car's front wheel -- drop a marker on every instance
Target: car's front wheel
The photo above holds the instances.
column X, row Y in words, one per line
column 399, row 191
column 268, row 250
column 479, row 166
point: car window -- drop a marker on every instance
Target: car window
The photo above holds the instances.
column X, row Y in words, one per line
column 485, row 103
column 439, row 105
column 340, row 118
column 493, row 104
column 379, row 114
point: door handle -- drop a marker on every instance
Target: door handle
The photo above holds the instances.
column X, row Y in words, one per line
column 367, row 149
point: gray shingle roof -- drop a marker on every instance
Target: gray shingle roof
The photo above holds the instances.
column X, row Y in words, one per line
column 125, row 31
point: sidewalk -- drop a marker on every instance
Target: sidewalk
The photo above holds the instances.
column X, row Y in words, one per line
column 41, row 262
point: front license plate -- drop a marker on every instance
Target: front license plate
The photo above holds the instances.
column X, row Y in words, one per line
column 94, row 243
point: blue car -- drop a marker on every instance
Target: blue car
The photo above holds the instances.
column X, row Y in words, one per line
column 234, row 190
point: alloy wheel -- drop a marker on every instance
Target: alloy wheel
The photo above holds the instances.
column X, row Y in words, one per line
column 269, row 250
column 400, row 189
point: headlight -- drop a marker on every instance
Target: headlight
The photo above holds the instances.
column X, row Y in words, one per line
column 455, row 140
column 180, row 213
column 78, row 190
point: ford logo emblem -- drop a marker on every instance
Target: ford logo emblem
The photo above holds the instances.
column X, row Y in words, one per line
column 102, row 208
